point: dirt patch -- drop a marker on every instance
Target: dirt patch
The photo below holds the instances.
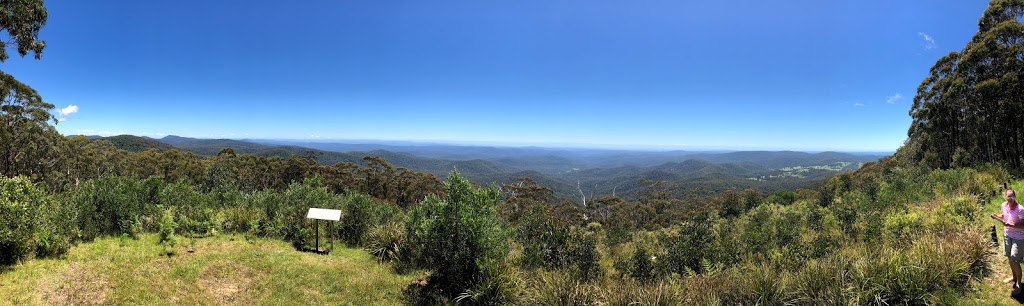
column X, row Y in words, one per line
column 227, row 282
column 78, row 285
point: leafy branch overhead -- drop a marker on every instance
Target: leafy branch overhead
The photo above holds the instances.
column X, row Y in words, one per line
column 22, row 19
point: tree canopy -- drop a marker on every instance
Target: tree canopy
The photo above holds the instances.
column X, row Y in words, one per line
column 22, row 19
column 970, row 109
column 30, row 142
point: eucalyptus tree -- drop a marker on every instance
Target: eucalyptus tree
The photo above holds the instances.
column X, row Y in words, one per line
column 969, row 110
column 30, row 142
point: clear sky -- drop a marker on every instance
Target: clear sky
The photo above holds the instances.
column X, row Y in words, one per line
column 787, row 74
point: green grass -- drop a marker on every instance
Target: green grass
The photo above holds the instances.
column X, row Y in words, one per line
column 222, row 270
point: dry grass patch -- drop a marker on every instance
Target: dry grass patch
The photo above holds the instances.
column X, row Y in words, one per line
column 227, row 282
column 77, row 285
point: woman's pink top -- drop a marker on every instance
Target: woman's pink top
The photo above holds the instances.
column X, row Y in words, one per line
column 1013, row 216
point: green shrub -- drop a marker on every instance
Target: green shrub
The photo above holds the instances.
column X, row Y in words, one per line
column 583, row 257
column 555, row 288
column 457, row 237
column 823, row 282
column 194, row 209
column 269, row 203
column 899, row 228
column 114, row 205
column 362, row 213
column 20, row 201
column 947, row 183
column 762, row 285
column 642, row 265
column 537, row 235
column 166, row 234
column 386, row 242
column 687, row 244
column 242, row 219
column 287, row 214
column 57, row 228
column 629, row 292
column 498, row 286
column 961, row 210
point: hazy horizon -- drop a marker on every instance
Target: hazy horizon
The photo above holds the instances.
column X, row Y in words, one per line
column 514, row 145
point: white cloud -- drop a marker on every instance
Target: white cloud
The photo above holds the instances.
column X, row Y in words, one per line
column 71, row 109
column 64, row 112
column 858, row 104
column 929, row 43
column 893, row 98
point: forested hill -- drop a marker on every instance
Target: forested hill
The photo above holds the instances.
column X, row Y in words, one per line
column 570, row 173
column 133, row 143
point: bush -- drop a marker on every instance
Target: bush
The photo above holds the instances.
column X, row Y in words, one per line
column 823, row 282
column 114, row 205
column 457, row 237
column 286, row 213
column 361, row 214
column 583, row 257
column 687, row 244
column 386, row 242
column 56, row 230
column 627, row 292
column 242, row 219
column 961, row 210
column 269, row 204
column 19, row 204
column 498, row 287
column 194, row 209
column 553, row 288
column 763, row 285
column 901, row 227
column 167, row 228
column 642, row 265
column 49, row 243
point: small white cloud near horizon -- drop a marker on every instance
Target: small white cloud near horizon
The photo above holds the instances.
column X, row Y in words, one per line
column 64, row 112
column 893, row 98
column 929, row 43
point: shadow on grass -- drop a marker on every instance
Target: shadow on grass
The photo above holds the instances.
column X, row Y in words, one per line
column 1017, row 295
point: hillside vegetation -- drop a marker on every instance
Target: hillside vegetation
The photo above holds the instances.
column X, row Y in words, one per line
column 569, row 173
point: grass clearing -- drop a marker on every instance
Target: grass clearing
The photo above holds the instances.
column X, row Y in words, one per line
column 223, row 270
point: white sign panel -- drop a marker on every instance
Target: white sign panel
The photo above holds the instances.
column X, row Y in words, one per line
column 324, row 214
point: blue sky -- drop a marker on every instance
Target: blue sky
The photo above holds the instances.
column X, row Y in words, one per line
column 788, row 74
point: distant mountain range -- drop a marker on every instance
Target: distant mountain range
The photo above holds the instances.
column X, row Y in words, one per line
column 594, row 172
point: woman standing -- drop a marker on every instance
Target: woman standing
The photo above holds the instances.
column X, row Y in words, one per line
column 1011, row 215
